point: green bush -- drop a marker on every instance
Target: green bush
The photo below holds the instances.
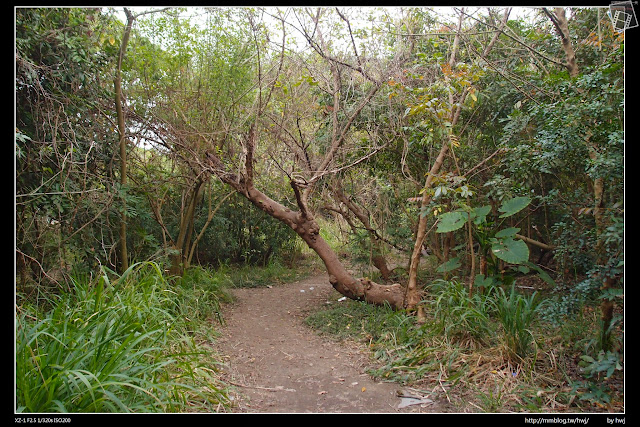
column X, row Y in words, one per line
column 111, row 346
column 516, row 313
column 459, row 315
column 201, row 291
column 242, row 234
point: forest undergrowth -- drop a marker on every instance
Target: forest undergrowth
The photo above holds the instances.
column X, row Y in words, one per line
column 121, row 343
column 136, row 342
column 492, row 352
column 140, row 342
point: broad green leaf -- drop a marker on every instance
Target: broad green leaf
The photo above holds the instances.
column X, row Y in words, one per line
column 507, row 232
column 450, row 265
column 587, row 359
column 513, row 206
column 481, row 280
column 479, row 214
column 511, row 251
column 451, row 221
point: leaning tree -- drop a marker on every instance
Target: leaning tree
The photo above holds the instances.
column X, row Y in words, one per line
column 304, row 107
column 293, row 117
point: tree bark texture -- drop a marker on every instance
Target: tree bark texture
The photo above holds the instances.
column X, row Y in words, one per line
column 413, row 294
column 179, row 260
column 559, row 20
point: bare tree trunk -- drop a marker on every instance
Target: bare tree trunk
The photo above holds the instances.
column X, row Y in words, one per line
column 124, row 258
column 181, row 244
column 473, row 257
column 122, row 132
column 559, row 20
column 413, row 294
column 357, row 289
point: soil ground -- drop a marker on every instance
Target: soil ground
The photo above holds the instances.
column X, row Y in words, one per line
column 277, row 364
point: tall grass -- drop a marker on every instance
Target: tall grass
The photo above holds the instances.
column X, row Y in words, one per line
column 460, row 316
column 516, row 313
column 112, row 346
column 490, row 351
column 201, row 292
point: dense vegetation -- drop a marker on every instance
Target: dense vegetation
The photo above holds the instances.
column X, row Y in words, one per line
column 162, row 154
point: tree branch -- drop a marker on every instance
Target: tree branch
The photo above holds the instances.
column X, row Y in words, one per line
column 542, row 55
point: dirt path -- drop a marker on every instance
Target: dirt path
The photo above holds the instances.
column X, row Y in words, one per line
column 278, row 364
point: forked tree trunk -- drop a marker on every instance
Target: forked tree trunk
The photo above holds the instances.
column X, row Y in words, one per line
column 302, row 221
column 305, row 225
column 179, row 260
